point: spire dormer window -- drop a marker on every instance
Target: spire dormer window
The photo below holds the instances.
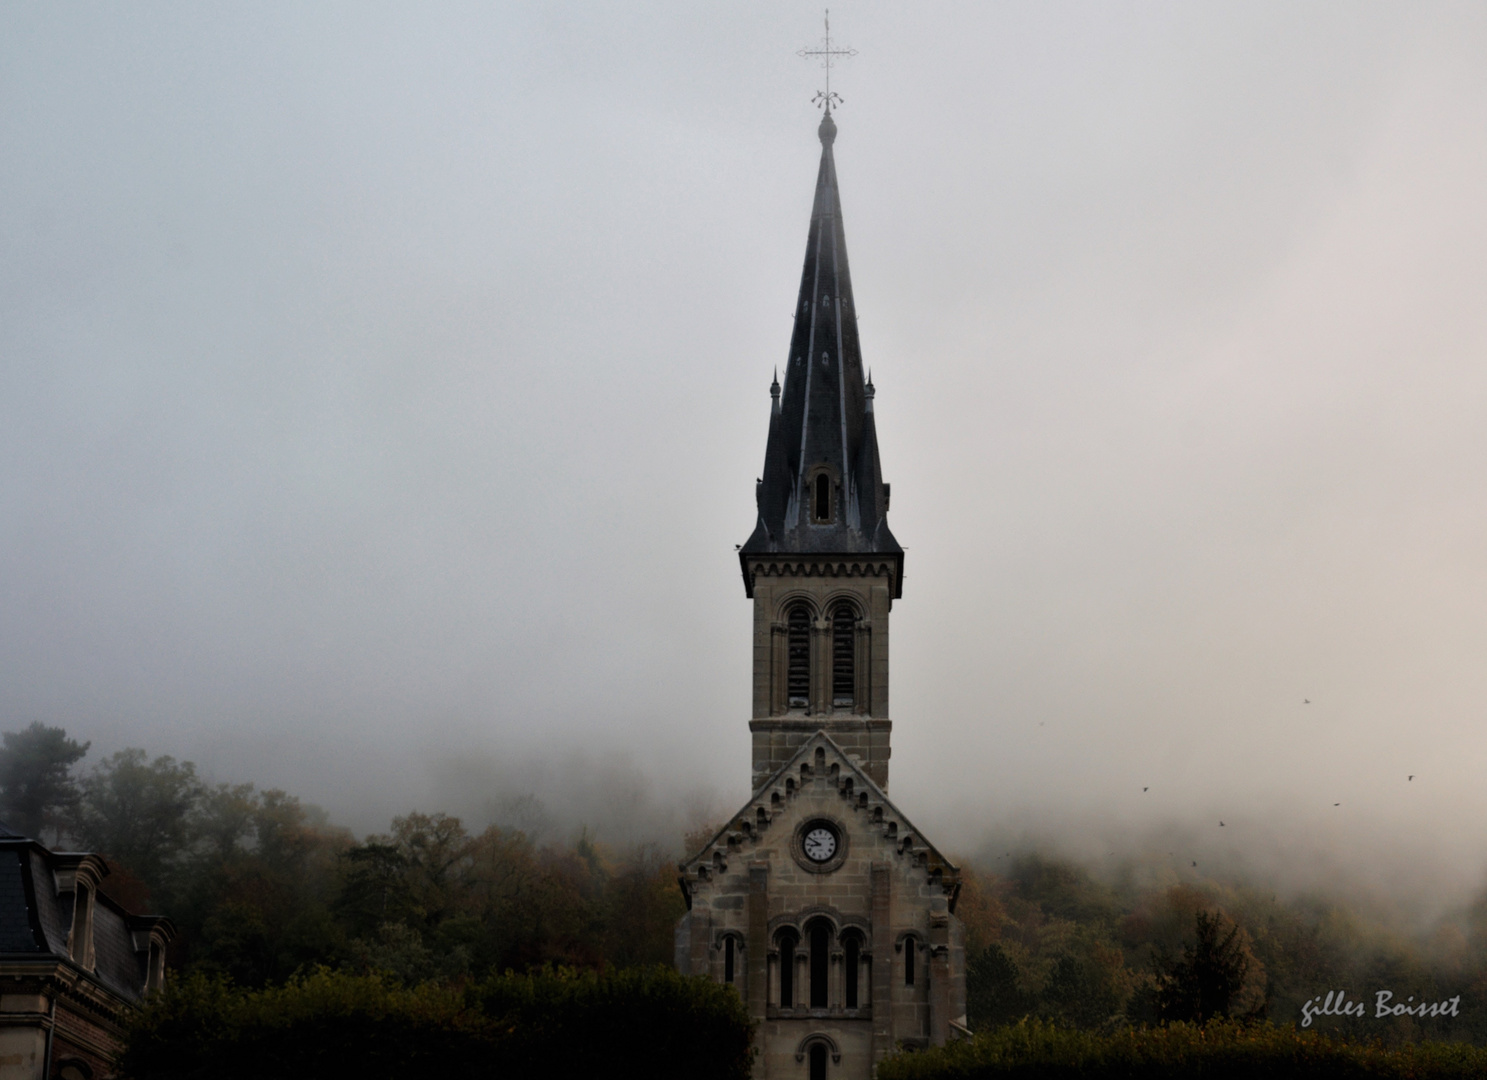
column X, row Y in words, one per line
column 822, row 504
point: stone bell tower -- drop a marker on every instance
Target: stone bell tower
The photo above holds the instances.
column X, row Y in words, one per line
column 822, row 566
column 819, row 901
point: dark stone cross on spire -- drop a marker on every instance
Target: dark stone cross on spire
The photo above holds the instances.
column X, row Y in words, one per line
column 825, row 98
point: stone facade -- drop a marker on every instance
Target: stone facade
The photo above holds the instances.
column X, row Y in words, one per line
column 883, row 904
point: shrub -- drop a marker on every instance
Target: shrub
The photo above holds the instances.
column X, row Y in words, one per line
column 1219, row 1051
column 328, row 1025
column 323, row 1025
column 650, row 1022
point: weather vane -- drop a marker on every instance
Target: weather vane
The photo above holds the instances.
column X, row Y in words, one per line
column 825, row 98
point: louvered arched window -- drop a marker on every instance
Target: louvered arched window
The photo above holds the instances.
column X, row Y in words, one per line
column 798, row 644
column 843, row 656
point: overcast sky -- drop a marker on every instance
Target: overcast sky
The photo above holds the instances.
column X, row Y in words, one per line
column 382, row 389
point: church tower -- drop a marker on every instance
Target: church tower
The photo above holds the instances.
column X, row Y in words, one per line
column 822, row 566
column 819, row 901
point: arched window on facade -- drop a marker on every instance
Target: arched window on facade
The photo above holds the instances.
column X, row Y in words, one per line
column 787, row 970
column 909, row 961
column 798, row 645
column 820, row 932
column 729, row 959
column 821, row 499
column 852, row 960
column 818, row 1061
column 843, row 657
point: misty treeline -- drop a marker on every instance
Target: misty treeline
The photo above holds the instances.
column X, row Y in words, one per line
column 1048, row 940
column 261, row 885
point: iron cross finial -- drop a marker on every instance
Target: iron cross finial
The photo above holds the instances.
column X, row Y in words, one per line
column 825, row 98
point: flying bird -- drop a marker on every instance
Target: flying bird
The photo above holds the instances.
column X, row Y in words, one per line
column 1337, row 804
column 1221, row 824
column 1412, row 776
column 1147, row 789
column 1195, row 864
column 1306, row 701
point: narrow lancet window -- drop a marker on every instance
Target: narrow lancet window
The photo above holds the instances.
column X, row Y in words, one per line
column 820, row 963
column 843, row 656
column 908, row 961
column 728, row 959
column 852, row 950
column 798, row 643
column 787, row 971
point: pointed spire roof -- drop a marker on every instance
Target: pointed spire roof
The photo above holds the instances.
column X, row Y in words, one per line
column 821, row 424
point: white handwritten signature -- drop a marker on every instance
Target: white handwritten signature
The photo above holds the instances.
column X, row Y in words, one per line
column 1336, row 1004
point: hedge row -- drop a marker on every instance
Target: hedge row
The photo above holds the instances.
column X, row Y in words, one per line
column 1219, row 1051
column 331, row 1025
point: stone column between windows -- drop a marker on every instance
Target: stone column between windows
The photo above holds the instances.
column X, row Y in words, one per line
column 862, row 667
column 939, row 982
column 882, row 893
column 779, row 668
column 879, row 601
column 820, row 667
column 757, row 953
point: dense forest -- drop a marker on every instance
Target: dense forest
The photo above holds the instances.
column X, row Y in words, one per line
column 261, row 886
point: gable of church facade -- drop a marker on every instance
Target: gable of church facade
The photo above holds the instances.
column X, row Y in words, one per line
column 880, row 904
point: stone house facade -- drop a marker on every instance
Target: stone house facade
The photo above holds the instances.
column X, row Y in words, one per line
column 72, row 963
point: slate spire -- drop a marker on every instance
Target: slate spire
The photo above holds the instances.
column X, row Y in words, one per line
column 822, row 490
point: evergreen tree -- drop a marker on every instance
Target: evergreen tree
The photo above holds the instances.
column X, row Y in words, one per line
column 37, row 789
column 1204, row 983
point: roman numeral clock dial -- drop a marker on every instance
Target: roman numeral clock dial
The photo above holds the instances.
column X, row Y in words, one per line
column 820, row 844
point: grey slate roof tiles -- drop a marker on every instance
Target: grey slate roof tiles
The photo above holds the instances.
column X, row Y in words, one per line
column 17, row 934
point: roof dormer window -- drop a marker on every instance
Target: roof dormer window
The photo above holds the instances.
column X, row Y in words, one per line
column 80, row 940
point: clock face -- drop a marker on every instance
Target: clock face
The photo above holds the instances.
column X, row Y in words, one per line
column 820, row 844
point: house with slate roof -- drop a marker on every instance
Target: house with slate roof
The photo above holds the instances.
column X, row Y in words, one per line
column 827, row 909
column 73, row 962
